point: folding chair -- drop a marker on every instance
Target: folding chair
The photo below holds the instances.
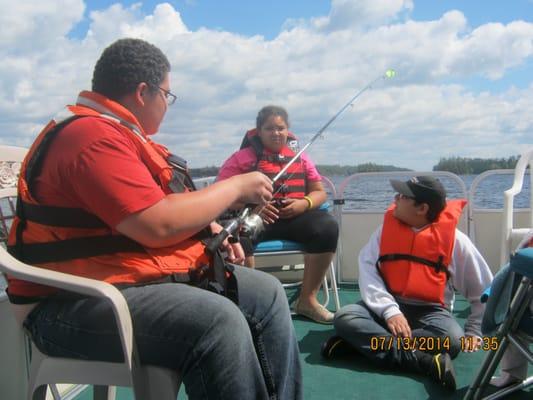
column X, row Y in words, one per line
column 286, row 255
column 508, row 314
column 148, row 382
column 511, row 234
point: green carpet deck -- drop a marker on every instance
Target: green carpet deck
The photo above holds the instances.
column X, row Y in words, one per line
column 354, row 378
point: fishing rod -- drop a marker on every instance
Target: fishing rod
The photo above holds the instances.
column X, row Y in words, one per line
column 252, row 224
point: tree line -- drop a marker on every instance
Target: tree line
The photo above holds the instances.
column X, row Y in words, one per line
column 469, row 166
column 456, row 165
column 327, row 170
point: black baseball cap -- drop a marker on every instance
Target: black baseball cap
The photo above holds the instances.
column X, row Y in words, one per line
column 424, row 189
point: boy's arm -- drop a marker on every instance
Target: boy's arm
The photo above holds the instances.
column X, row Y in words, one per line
column 373, row 290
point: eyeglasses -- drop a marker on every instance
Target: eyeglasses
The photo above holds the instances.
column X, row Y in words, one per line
column 272, row 128
column 170, row 98
column 403, row 196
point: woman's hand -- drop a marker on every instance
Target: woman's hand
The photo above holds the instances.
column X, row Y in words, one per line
column 293, row 207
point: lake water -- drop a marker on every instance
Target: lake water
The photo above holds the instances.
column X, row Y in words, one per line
column 375, row 192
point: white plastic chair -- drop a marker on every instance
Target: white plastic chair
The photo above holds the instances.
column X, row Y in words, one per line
column 511, row 235
column 148, row 382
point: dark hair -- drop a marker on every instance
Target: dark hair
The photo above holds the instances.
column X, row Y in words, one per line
column 269, row 111
column 126, row 63
column 434, row 210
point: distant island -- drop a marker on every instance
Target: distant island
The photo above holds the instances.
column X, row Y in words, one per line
column 456, row 165
column 346, row 170
column 474, row 166
column 327, row 170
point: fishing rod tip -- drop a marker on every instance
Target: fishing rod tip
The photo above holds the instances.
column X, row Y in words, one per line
column 390, row 73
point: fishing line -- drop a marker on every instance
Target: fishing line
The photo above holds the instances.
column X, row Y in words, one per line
column 252, row 223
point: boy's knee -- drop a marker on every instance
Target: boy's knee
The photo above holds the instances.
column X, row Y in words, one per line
column 349, row 318
column 455, row 345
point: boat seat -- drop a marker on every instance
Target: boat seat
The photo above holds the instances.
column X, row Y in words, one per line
column 509, row 319
column 286, row 255
column 511, row 235
column 148, row 382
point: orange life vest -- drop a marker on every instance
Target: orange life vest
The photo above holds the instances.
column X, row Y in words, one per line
column 75, row 241
column 292, row 183
column 414, row 265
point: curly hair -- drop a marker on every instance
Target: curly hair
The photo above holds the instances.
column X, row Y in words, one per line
column 126, row 63
column 269, row 111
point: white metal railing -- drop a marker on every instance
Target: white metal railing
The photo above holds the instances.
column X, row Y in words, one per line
column 473, row 217
column 204, row 182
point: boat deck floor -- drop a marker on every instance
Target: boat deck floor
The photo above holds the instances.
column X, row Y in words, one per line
column 354, row 378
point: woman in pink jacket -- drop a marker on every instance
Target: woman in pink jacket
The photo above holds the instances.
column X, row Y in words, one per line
column 293, row 214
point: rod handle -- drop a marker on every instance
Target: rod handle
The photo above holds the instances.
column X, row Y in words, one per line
column 216, row 242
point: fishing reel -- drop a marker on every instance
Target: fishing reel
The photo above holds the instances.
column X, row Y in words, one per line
column 252, row 226
column 245, row 224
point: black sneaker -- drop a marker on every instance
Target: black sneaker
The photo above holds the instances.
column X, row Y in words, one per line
column 441, row 370
column 334, row 347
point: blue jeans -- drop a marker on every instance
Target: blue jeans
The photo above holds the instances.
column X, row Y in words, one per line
column 220, row 350
column 369, row 334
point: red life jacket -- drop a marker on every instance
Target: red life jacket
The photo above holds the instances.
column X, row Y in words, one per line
column 75, row 241
column 414, row 265
column 292, row 184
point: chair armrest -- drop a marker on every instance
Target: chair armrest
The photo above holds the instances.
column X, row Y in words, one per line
column 77, row 284
column 519, row 172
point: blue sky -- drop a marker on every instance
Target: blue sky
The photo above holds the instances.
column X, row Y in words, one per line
column 268, row 18
column 239, row 16
column 463, row 84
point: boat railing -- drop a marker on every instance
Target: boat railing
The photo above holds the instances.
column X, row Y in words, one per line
column 481, row 223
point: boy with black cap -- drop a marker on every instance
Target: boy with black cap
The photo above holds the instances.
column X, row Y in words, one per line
column 407, row 275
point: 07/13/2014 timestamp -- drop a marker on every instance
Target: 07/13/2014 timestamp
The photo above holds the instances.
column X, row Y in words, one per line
column 432, row 344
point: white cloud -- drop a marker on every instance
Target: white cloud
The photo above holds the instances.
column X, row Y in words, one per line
column 118, row 21
column 349, row 14
column 312, row 67
column 28, row 24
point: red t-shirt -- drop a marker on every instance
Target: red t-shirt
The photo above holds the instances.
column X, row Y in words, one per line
column 93, row 166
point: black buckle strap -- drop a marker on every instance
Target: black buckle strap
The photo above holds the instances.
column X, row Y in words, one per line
column 66, row 217
column 438, row 265
column 71, row 249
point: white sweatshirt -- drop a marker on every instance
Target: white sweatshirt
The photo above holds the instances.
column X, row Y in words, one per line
column 470, row 276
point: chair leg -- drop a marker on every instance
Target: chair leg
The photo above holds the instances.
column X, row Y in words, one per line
column 54, row 391
column 104, row 392
column 520, row 302
column 334, row 286
column 492, row 359
column 325, row 287
column 500, row 394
